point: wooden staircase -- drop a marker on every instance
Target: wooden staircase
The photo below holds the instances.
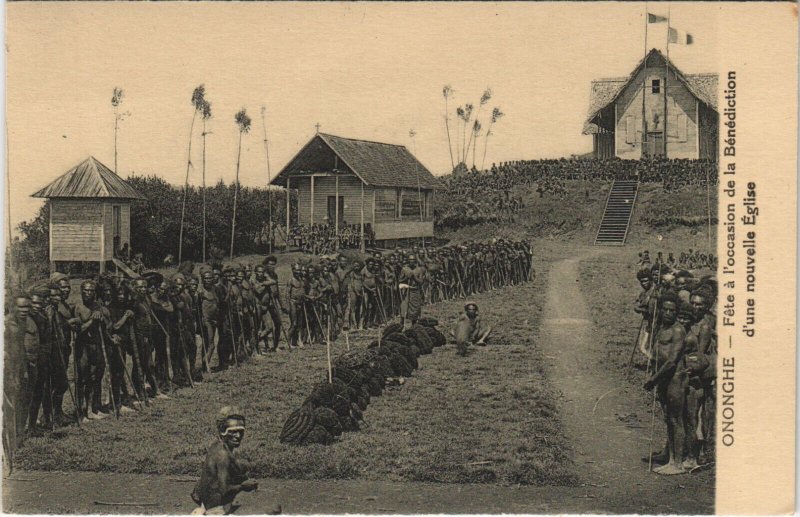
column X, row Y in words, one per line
column 617, row 215
column 124, row 268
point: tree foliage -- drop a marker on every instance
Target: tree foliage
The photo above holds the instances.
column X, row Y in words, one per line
column 155, row 224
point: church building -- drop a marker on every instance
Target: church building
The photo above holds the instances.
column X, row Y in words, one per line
column 656, row 111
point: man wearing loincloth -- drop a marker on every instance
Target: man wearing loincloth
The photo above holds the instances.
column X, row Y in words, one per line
column 668, row 350
column 223, row 474
column 470, row 329
column 411, row 281
column 645, row 306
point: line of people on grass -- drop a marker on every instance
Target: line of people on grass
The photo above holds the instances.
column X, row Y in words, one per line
column 339, row 293
column 687, row 259
column 126, row 342
column 678, row 339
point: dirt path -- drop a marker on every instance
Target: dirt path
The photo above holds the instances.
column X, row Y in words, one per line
column 602, row 417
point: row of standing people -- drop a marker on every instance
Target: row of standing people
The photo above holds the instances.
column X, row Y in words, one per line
column 340, row 294
column 678, row 338
column 688, row 259
column 129, row 341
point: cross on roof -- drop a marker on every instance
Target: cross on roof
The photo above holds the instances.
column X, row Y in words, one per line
column 317, row 126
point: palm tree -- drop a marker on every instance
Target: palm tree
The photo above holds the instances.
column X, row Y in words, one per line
column 270, row 232
column 198, row 98
column 448, row 91
column 486, row 97
column 497, row 114
column 206, row 116
column 461, row 114
column 476, row 131
column 466, row 115
column 116, row 100
column 243, row 122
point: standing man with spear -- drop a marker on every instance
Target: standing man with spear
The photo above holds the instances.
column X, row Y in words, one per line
column 62, row 348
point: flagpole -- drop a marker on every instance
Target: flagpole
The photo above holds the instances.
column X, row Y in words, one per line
column 666, row 78
column 644, row 83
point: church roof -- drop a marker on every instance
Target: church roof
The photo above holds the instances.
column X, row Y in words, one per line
column 375, row 163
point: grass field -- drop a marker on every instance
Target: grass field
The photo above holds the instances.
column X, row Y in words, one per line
column 486, row 418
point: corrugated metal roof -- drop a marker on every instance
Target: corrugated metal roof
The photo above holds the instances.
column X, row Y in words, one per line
column 375, row 163
column 89, row 179
column 605, row 91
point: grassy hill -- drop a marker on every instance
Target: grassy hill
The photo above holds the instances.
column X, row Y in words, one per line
column 576, row 216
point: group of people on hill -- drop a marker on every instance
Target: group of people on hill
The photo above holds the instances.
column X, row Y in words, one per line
column 130, row 341
column 320, row 239
column 678, row 338
column 478, row 196
column 671, row 172
column 687, row 259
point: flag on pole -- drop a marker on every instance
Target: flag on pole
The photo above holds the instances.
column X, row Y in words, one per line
column 680, row 37
column 655, row 18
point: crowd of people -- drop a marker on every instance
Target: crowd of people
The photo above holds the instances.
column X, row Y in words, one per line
column 687, row 259
column 671, row 172
column 478, row 196
column 128, row 341
column 342, row 294
column 678, row 338
column 320, row 239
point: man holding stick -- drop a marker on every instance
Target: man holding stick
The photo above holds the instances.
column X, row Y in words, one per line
column 668, row 350
column 88, row 352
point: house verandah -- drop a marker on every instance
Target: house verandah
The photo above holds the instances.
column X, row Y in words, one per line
column 373, row 189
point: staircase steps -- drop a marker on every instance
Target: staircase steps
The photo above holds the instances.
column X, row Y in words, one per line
column 616, row 220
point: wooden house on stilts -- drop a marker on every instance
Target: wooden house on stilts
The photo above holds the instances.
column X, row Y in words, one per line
column 375, row 186
column 90, row 214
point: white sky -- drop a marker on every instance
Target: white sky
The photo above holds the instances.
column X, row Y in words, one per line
column 369, row 71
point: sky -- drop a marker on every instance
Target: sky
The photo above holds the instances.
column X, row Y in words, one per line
column 361, row 70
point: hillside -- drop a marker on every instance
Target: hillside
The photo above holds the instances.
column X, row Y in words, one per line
column 576, row 215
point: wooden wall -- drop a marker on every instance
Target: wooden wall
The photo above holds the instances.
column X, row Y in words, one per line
column 80, row 228
column 603, row 145
column 403, row 230
column 388, row 219
column 76, row 229
column 682, row 116
column 324, row 186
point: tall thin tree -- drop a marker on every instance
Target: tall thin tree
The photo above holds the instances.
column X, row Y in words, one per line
column 412, row 134
column 243, row 122
column 270, row 233
column 206, row 117
column 466, row 117
column 496, row 115
column 461, row 114
column 198, row 98
column 476, row 132
column 447, row 92
column 116, row 100
column 486, row 97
